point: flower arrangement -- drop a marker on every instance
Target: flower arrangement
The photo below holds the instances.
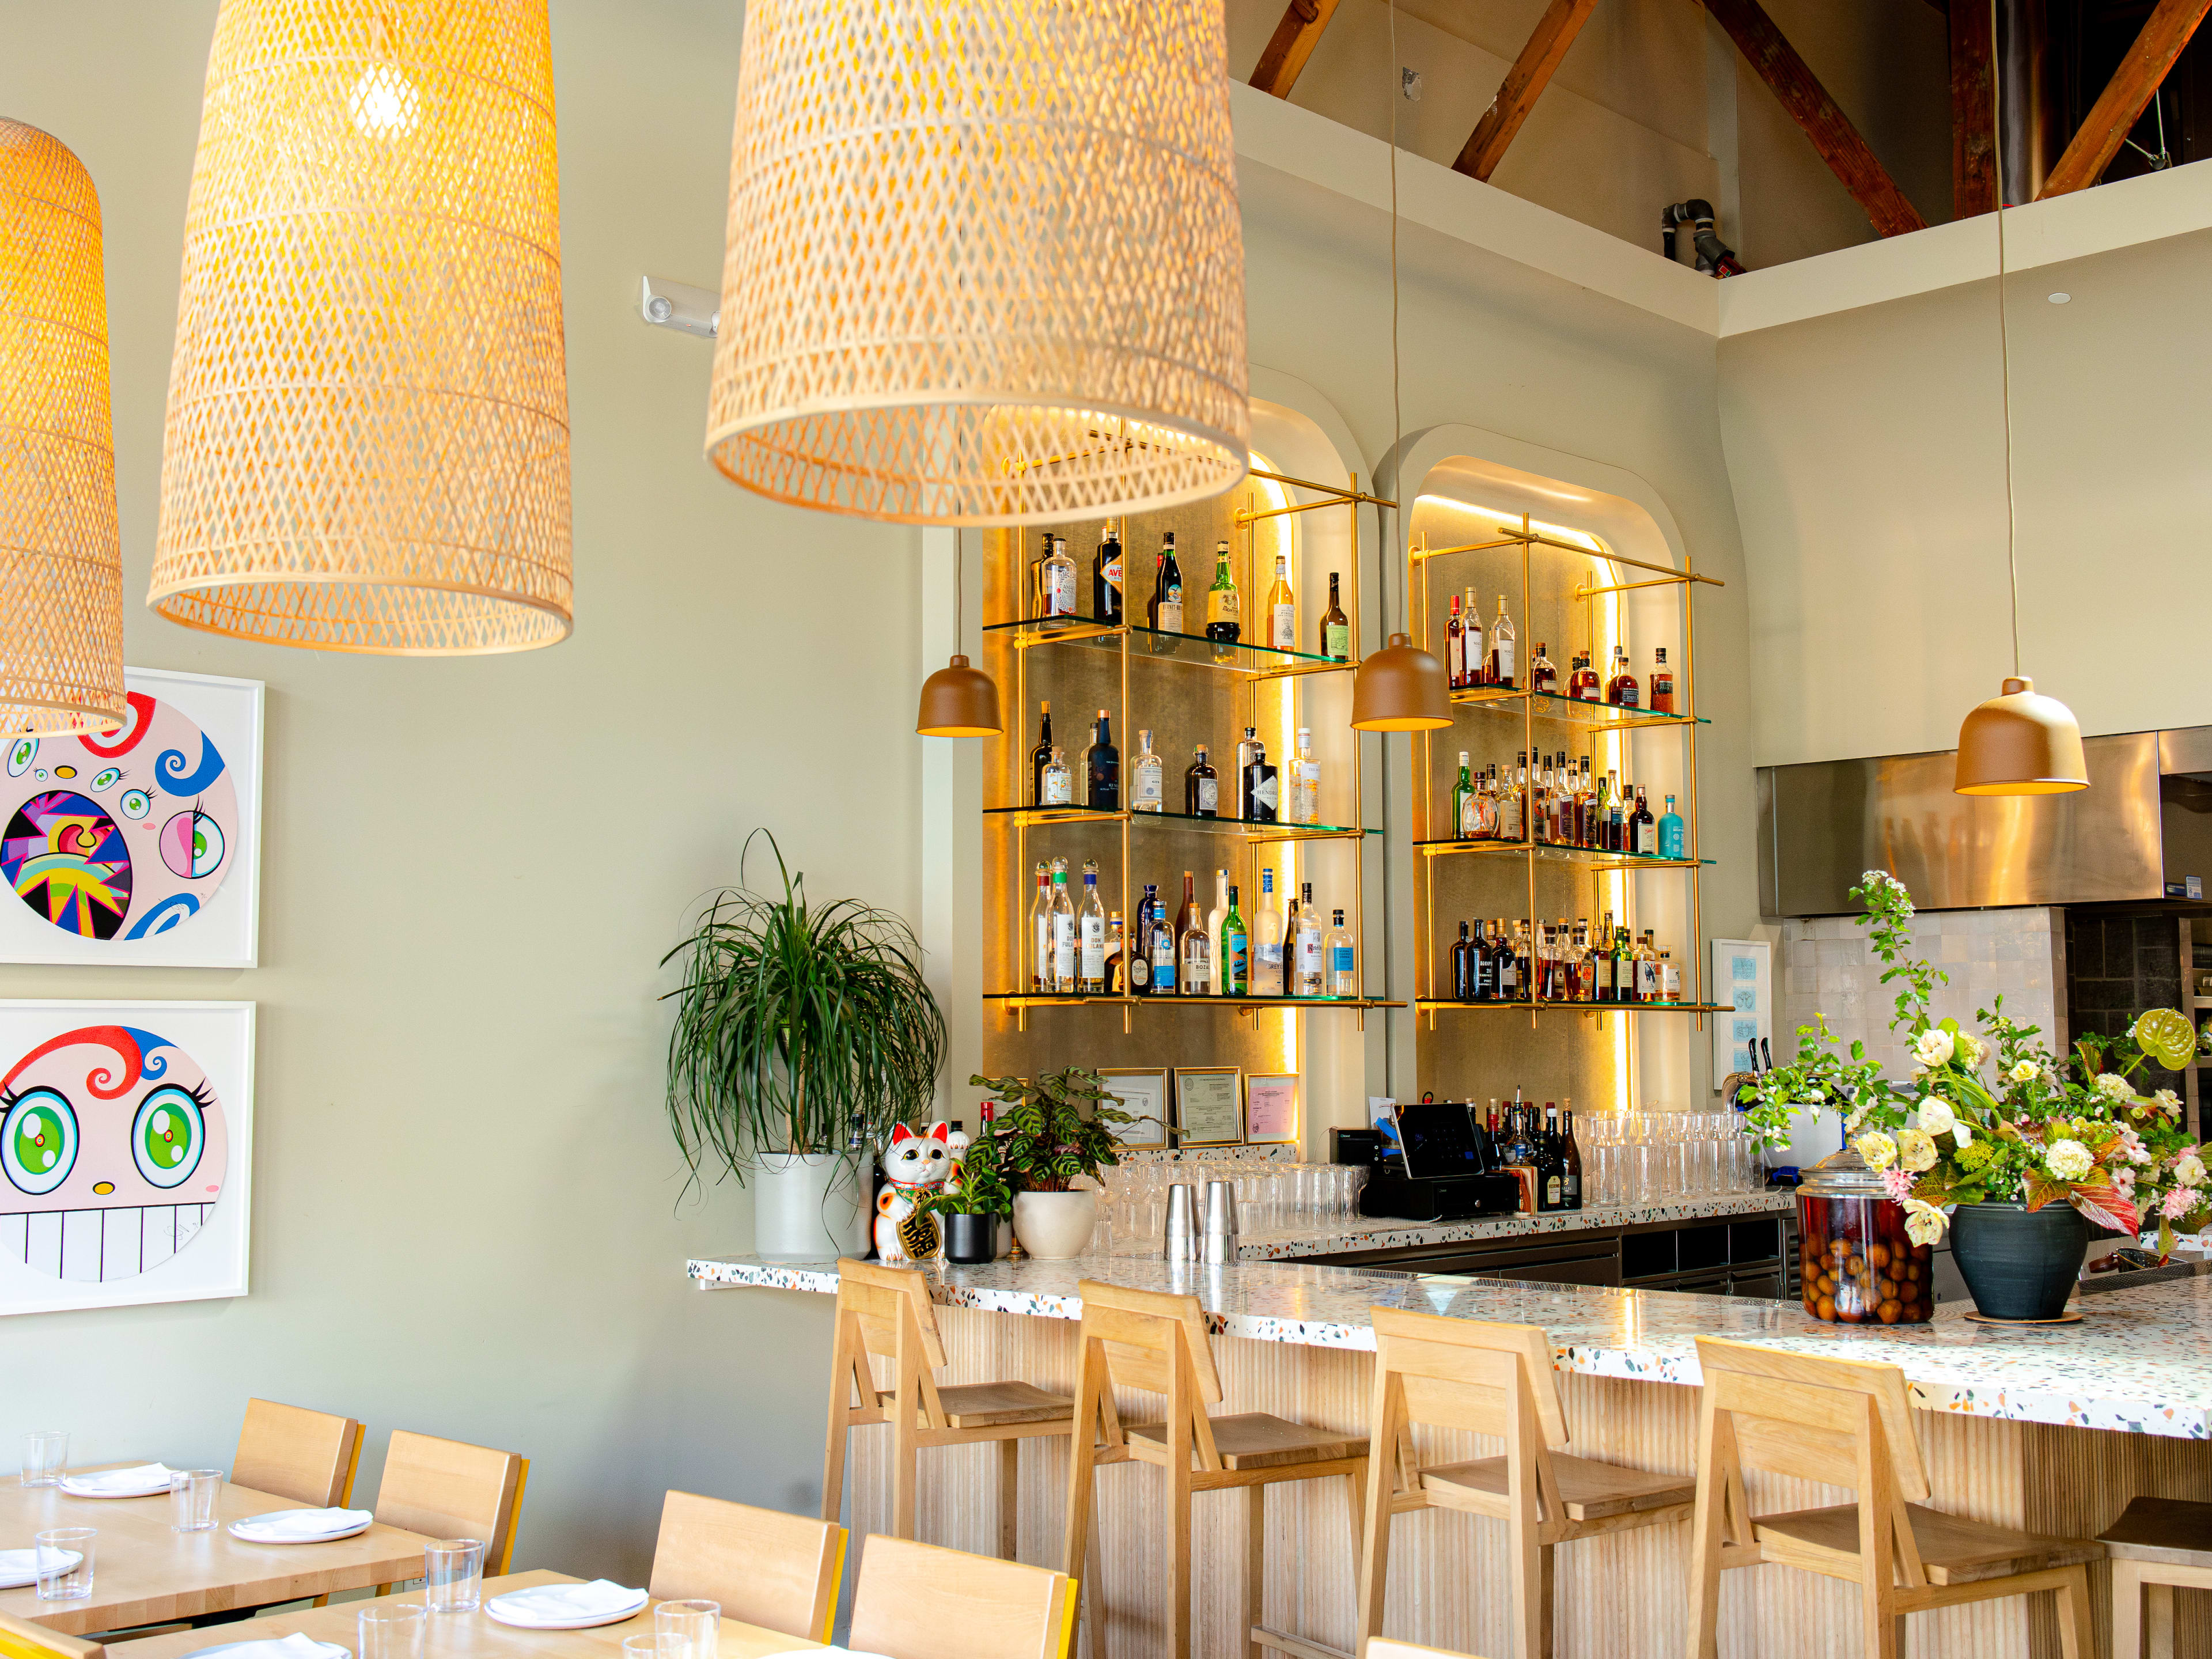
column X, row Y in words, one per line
column 2038, row 1131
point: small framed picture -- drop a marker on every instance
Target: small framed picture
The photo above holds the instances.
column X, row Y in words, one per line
column 1144, row 1092
column 1271, row 1108
column 1209, row 1106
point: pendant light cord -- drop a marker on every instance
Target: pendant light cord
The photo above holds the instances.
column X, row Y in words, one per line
column 1397, row 415
column 2004, row 338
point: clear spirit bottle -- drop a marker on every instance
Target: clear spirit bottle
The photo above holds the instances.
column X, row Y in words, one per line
column 1202, row 788
column 1305, row 782
column 1057, row 788
column 1058, row 580
column 1309, row 951
column 1262, row 786
column 1090, row 966
column 1041, row 979
column 1063, row 931
column 1267, row 941
column 1343, row 960
column 1146, row 795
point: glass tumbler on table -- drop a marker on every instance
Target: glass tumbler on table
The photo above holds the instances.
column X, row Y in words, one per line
column 695, row 1626
column 658, row 1646
column 452, row 1575
column 63, row 1561
column 45, row 1457
column 390, row 1630
column 192, row 1499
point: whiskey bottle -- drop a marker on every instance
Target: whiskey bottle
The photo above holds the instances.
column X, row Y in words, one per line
column 1543, row 677
column 1621, row 690
column 1456, row 648
column 1643, row 830
column 1058, row 580
column 1063, row 931
column 1115, row 946
column 1091, row 963
column 1040, row 753
column 1165, row 607
column 1475, row 669
column 1647, row 968
column 1106, row 571
column 1103, row 766
column 1343, row 959
column 1140, row 951
column 1309, row 951
column 1463, row 822
column 1191, row 943
column 1670, row 832
column 1268, row 942
column 1670, row 978
column 1663, row 683
column 1146, row 795
column 1571, row 1158
column 1236, row 952
column 1463, row 968
column 1482, row 966
column 1057, row 790
column 1282, row 609
column 1504, row 965
column 1223, row 614
column 1501, row 648
column 1511, row 825
column 1040, row 932
column 1261, row 786
column 1605, row 988
column 1201, row 789
column 1335, row 628
column 1163, row 952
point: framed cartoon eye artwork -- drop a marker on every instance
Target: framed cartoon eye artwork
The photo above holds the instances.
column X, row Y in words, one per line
column 126, row 1132
column 141, row 849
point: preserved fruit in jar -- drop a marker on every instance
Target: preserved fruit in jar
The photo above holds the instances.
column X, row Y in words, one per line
column 1857, row 1265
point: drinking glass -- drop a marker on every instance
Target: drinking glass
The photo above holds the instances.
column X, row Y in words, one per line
column 658, row 1645
column 63, row 1561
column 192, row 1499
column 696, row 1627
column 452, row 1575
column 390, row 1630
column 46, row 1456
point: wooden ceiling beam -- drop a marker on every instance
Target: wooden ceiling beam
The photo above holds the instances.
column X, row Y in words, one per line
column 1285, row 56
column 1974, row 112
column 2126, row 95
column 1808, row 101
column 1523, row 85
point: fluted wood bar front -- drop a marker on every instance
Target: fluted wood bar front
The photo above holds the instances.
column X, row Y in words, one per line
column 2048, row 1431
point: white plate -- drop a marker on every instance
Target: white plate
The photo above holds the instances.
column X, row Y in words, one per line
column 318, row 1538
column 329, row 1650
column 614, row 1616
column 19, row 1568
column 142, row 1491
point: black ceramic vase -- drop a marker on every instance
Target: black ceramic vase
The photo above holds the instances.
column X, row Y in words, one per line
column 970, row 1240
column 2019, row 1264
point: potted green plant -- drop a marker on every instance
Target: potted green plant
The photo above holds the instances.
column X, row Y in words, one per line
column 803, row 1033
column 1049, row 1131
column 974, row 1204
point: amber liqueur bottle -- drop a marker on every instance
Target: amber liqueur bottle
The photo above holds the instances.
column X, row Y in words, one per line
column 1663, row 683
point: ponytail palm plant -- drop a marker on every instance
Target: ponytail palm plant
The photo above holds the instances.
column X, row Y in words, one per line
column 795, row 1024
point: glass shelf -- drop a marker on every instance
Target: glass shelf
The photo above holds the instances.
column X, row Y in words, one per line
column 1243, row 829
column 1040, row 1000
column 1589, row 858
column 1429, row 1005
column 1569, row 711
column 1241, row 657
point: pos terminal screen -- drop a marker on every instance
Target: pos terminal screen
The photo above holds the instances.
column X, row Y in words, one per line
column 1440, row 1137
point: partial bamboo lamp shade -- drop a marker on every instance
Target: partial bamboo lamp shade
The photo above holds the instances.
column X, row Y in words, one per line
column 367, row 437
column 61, row 554
column 958, row 700
column 984, row 264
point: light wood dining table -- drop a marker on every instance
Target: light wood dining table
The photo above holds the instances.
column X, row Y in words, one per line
column 145, row 1574
column 461, row 1635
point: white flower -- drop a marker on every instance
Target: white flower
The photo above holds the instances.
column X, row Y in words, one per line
column 1879, row 1150
column 1916, row 1150
column 2069, row 1160
column 1973, row 1048
column 2113, row 1086
column 2025, row 1072
column 1933, row 1046
column 2189, row 1169
column 2168, row 1102
column 1924, row 1222
column 1937, row 1119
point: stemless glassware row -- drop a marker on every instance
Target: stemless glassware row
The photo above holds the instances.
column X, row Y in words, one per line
column 1271, row 1198
column 1649, row 1157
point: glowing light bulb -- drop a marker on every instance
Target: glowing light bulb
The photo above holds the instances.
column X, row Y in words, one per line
column 384, row 103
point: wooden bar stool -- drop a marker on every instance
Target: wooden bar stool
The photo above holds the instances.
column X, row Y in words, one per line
column 778, row 1571
column 887, row 1311
column 2156, row 1543
column 917, row 1602
column 1157, row 1343
column 1846, row 1423
column 1492, row 1380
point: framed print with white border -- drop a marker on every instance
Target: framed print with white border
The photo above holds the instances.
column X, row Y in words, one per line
column 1272, row 1116
column 1143, row 1091
column 1209, row 1110
column 1743, row 985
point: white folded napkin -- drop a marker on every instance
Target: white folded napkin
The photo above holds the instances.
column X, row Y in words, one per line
column 120, row 1483
column 550, row 1603
column 279, row 1525
column 21, row 1567
column 297, row 1645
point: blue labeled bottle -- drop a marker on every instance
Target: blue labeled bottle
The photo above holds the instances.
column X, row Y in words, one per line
column 1670, row 832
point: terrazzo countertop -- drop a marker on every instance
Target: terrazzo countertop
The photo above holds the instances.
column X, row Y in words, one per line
column 2140, row 1362
column 1384, row 1233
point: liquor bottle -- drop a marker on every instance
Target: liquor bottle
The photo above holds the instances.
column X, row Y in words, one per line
column 1268, row 942
column 1343, row 959
column 1524, row 965
column 1195, row 952
column 1456, row 648
column 1585, row 987
column 1554, row 1162
column 1505, row 969
column 1582, row 683
column 1164, row 609
column 1147, row 795
column 1245, row 746
column 1309, row 951
column 1058, row 787
column 1670, row 978
column 1571, row 1158
column 1663, row 683
column 1262, row 788
column 1643, row 830
column 1623, row 967
column 1539, row 801
column 1482, row 966
column 1519, row 1155
column 1223, row 615
column 1543, row 677
column 1601, row 804
column 1201, row 789
column 1282, row 608
column 1463, row 968
column 1036, row 574
column 1091, row 962
column 1040, row 753
column 1621, row 690
column 1164, row 952
column 1616, row 815
column 1104, row 766
column 1501, row 648
column 1214, row 918
column 1063, row 931
column 1477, row 665
column 1106, row 572
column 1040, row 932
column 1463, row 802
column 1511, row 825
column 1305, row 782
column 1140, row 951
column 1647, row 968
column 1115, row 945
column 1670, row 832
column 1601, row 961
column 1058, row 580
column 1291, row 925
column 1336, row 628
column 1236, row 952
column 1587, row 809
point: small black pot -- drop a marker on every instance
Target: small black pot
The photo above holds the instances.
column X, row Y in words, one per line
column 2018, row 1265
column 970, row 1240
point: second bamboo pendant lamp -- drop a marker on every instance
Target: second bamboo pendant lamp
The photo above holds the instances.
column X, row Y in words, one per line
column 984, row 264
column 367, row 437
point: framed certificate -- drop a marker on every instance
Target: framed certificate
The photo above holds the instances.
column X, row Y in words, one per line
column 1144, row 1092
column 1271, row 1108
column 1208, row 1108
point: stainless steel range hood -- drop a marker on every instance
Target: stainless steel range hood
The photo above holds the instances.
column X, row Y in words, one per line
column 2142, row 830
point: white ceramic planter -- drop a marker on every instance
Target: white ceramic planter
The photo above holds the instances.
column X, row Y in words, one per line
column 1053, row 1226
column 809, row 1207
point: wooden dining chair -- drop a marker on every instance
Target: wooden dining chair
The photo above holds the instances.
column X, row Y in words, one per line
column 21, row 1640
column 1495, row 1380
column 2157, row 1545
column 289, row 1451
column 1843, row 1422
column 778, row 1571
column 918, row 1601
column 1157, row 1342
column 450, row 1489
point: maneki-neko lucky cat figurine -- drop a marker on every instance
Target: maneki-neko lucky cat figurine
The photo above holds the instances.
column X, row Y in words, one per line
column 913, row 1165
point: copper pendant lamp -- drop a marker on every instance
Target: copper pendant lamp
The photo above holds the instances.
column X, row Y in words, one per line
column 1402, row 688
column 958, row 701
column 2019, row 742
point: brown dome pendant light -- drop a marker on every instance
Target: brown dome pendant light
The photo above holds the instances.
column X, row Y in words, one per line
column 2021, row 742
column 958, row 701
column 1402, row 688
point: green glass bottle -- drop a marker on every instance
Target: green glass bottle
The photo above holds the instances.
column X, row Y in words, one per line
column 1225, row 622
column 1236, row 952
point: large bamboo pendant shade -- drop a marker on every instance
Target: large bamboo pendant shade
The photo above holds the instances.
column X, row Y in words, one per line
column 61, row 558
column 984, row 262
column 368, row 440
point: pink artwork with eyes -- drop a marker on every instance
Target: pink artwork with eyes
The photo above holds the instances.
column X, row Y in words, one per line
column 112, row 1154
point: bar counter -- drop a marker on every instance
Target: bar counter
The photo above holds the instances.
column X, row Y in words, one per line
column 2049, row 1431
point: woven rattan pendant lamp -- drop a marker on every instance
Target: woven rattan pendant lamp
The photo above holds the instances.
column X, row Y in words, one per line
column 61, row 559
column 368, row 440
column 984, row 262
